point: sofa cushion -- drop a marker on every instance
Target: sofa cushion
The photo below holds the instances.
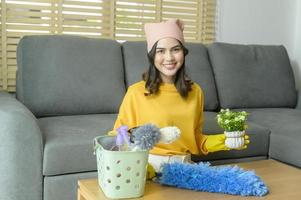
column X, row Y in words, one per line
column 284, row 124
column 252, row 76
column 258, row 147
column 66, row 75
column 64, row 187
column 69, row 142
column 197, row 66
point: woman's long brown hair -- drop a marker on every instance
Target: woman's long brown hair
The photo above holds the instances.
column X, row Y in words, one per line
column 153, row 79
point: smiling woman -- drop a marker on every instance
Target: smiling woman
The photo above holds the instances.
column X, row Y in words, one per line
column 167, row 97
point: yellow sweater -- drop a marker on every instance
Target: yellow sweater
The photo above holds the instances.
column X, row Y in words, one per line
column 166, row 108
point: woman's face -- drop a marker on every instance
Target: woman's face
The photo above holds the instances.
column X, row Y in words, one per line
column 169, row 58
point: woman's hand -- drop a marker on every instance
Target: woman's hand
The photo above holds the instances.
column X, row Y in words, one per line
column 247, row 141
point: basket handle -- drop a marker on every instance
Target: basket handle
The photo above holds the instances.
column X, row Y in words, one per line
column 96, row 145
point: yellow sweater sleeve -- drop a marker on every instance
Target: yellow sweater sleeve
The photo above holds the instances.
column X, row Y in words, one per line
column 200, row 137
column 127, row 114
column 209, row 143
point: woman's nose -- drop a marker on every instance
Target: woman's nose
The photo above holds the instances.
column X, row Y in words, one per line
column 169, row 55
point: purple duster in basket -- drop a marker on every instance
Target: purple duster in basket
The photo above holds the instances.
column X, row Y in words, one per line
column 122, row 138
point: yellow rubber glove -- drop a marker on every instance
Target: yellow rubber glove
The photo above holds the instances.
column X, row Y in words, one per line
column 151, row 173
column 217, row 143
column 112, row 133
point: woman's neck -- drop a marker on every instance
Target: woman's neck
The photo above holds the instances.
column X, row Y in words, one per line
column 167, row 80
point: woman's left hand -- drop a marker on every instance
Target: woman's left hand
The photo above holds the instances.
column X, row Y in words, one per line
column 246, row 142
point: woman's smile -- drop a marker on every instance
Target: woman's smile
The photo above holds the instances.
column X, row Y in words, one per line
column 170, row 66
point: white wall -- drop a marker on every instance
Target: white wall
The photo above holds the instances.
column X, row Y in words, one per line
column 263, row 22
column 296, row 57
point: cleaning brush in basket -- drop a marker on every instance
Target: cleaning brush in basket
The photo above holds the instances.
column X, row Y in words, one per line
column 144, row 137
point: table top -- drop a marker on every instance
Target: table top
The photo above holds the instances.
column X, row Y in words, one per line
column 283, row 181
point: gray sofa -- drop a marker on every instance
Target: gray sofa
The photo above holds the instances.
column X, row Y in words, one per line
column 69, row 90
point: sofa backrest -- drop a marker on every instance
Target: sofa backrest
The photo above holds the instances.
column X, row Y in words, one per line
column 197, row 67
column 252, row 76
column 69, row 75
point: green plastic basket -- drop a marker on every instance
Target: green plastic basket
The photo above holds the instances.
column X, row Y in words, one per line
column 121, row 174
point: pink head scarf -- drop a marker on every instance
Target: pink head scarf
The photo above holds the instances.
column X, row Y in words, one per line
column 172, row 28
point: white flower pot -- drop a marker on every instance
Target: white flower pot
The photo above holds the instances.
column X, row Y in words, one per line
column 234, row 139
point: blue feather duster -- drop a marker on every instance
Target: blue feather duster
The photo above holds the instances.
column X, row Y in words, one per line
column 203, row 177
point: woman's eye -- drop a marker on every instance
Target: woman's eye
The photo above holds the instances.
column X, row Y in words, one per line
column 159, row 51
column 177, row 49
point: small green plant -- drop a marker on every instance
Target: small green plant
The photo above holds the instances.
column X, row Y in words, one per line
column 232, row 120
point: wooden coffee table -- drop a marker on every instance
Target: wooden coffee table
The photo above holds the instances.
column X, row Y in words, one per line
column 284, row 182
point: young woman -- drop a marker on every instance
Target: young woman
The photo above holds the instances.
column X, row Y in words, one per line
column 167, row 97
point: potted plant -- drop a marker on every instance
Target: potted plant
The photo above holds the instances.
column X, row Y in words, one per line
column 234, row 125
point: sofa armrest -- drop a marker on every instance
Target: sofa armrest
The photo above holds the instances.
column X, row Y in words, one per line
column 21, row 150
column 298, row 100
